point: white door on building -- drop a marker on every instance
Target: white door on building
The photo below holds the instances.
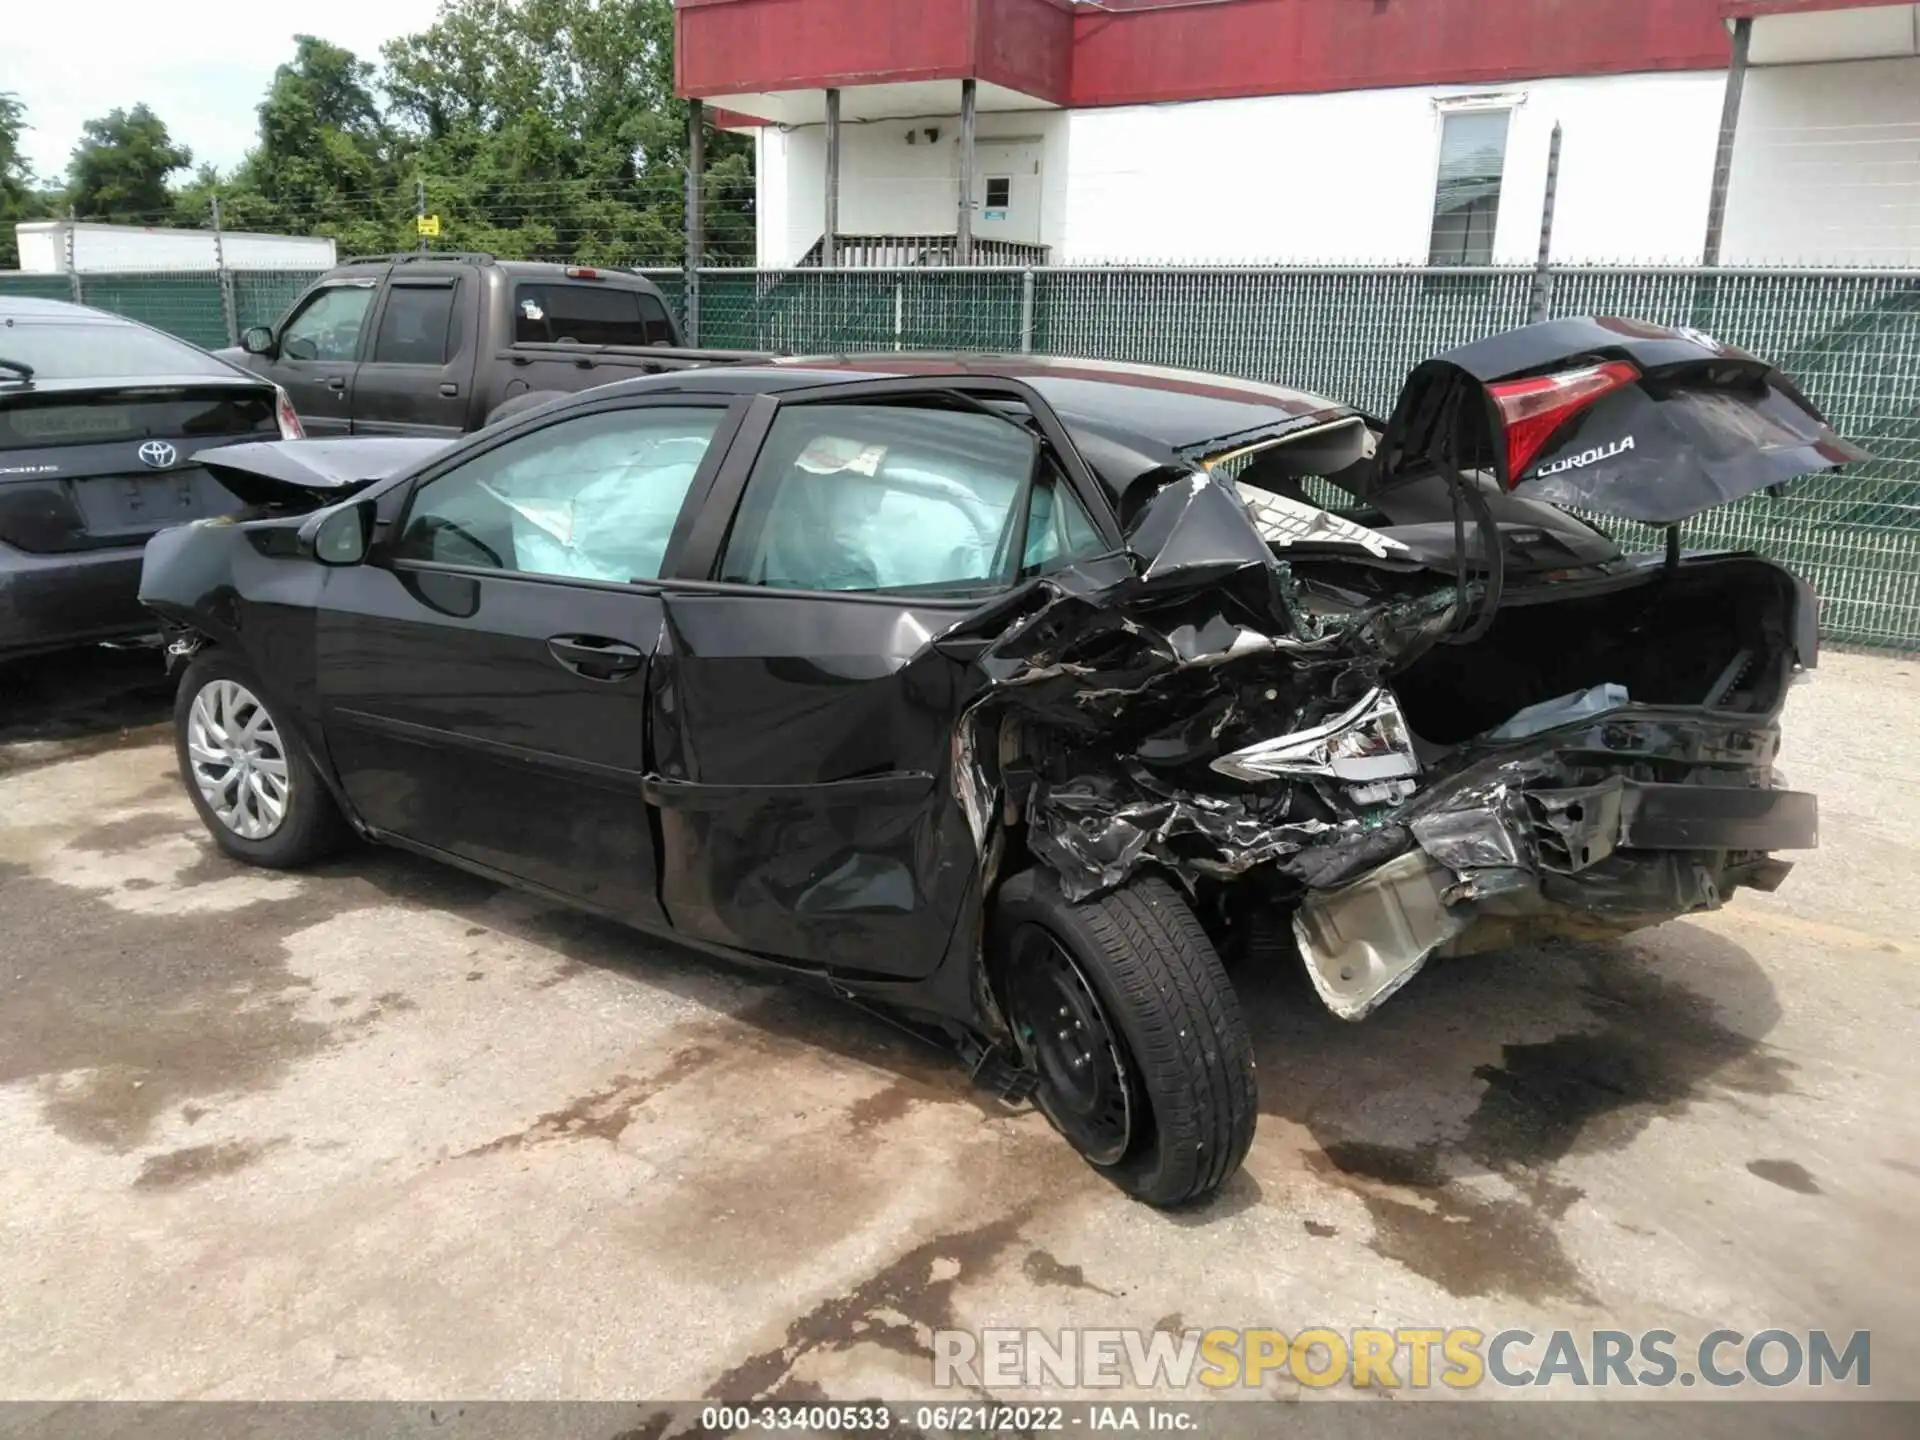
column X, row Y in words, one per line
column 1006, row 190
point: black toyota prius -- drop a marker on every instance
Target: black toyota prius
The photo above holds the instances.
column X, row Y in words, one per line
column 1023, row 696
column 102, row 425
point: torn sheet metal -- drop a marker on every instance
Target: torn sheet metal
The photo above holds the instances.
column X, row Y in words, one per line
column 1365, row 940
column 1137, row 682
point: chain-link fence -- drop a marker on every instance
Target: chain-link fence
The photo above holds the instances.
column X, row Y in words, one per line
column 1851, row 337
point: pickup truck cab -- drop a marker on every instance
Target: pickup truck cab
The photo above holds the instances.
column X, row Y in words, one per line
column 435, row 344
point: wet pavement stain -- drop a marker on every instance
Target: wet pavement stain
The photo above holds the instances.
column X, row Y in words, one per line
column 1787, row 1174
column 1454, row 1155
column 891, row 1308
column 1042, row 1269
column 177, row 1168
column 122, row 1016
column 132, row 832
column 603, row 1114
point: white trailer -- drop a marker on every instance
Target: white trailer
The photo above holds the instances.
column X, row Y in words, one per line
column 53, row 247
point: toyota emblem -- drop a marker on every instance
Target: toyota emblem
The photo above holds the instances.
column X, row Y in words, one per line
column 158, row 455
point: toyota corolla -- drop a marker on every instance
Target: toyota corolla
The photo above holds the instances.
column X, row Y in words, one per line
column 1023, row 697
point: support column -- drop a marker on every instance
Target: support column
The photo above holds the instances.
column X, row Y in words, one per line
column 830, row 240
column 696, row 221
column 1723, row 156
column 963, row 229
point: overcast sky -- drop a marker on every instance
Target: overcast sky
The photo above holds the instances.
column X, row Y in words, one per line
column 201, row 64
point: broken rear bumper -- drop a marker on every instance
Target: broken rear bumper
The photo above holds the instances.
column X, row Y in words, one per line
column 1501, row 859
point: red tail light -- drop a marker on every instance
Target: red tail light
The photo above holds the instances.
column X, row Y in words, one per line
column 1533, row 409
column 582, row 272
column 290, row 426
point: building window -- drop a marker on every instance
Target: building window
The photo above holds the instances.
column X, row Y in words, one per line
column 1466, row 201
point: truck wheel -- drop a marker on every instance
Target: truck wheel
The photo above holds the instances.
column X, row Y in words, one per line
column 1121, row 1007
column 519, row 405
column 256, row 791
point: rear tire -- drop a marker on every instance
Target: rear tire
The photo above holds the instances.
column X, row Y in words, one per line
column 1154, row 1084
column 245, row 772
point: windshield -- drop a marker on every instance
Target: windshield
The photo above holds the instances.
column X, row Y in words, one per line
column 86, row 349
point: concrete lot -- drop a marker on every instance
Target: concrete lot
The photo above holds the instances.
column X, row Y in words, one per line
column 382, row 1130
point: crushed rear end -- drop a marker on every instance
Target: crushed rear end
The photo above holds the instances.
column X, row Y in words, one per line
column 1450, row 717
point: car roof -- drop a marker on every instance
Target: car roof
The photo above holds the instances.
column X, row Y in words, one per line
column 32, row 307
column 1129, row 418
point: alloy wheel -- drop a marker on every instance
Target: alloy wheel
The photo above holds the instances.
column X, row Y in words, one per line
column 239, row 762
column 1085, row 1086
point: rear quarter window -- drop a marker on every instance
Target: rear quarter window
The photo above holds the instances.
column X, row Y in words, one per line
column 585, row 313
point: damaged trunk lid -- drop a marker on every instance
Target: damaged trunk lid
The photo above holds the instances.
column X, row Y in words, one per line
column 1620, row 417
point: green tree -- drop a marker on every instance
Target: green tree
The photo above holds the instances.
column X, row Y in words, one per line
column 323, row 163
column 549, row 128
column 120, row 167
column 19, row 199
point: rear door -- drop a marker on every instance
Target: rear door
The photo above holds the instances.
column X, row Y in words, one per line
column 1647, row 422
column 317, row 352
column 484, row 675
column 417, row 374
column 804, row 724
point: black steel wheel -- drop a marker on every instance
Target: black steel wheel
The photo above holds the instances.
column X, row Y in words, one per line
column 1120, row 1006
column 1085, row 1089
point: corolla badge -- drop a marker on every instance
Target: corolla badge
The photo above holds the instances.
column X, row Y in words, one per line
column 158, row 455
column 1585, row 457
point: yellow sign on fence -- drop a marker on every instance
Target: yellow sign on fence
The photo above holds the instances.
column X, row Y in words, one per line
column 429, row 224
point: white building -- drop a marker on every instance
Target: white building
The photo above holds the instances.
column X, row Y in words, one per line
column 54, row 247
column 1350, row 131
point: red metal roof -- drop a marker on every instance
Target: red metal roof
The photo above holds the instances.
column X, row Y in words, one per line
column 1130, row 53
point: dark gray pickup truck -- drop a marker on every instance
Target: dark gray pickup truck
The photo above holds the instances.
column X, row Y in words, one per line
column 437, row 344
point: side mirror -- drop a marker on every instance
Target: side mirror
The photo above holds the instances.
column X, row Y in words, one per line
column 257, row 340
column 339, row 536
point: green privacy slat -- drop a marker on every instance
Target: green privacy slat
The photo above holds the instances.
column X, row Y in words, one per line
column 1852, row 339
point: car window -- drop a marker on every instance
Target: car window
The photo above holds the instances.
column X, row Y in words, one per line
column 416, row 328
column 879, row 497
column 588, row 314
column 97, row 346
column 593, row 498
column 328, row 326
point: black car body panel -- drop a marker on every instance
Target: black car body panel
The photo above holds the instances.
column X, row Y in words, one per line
column 1282, row 707
column 96, row 456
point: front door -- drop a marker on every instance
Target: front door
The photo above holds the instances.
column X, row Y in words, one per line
column 484, row 676
column 1006, row 191
column 317, row 352
column 805, row 734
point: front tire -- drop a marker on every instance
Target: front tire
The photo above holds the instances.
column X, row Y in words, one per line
column 258, row 795
column 1121, row 1006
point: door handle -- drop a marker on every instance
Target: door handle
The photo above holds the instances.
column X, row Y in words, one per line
column 449, row 389
column 595, row 656
column 336, row 382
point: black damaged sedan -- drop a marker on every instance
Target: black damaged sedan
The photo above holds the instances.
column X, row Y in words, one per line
column 1023, row 697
